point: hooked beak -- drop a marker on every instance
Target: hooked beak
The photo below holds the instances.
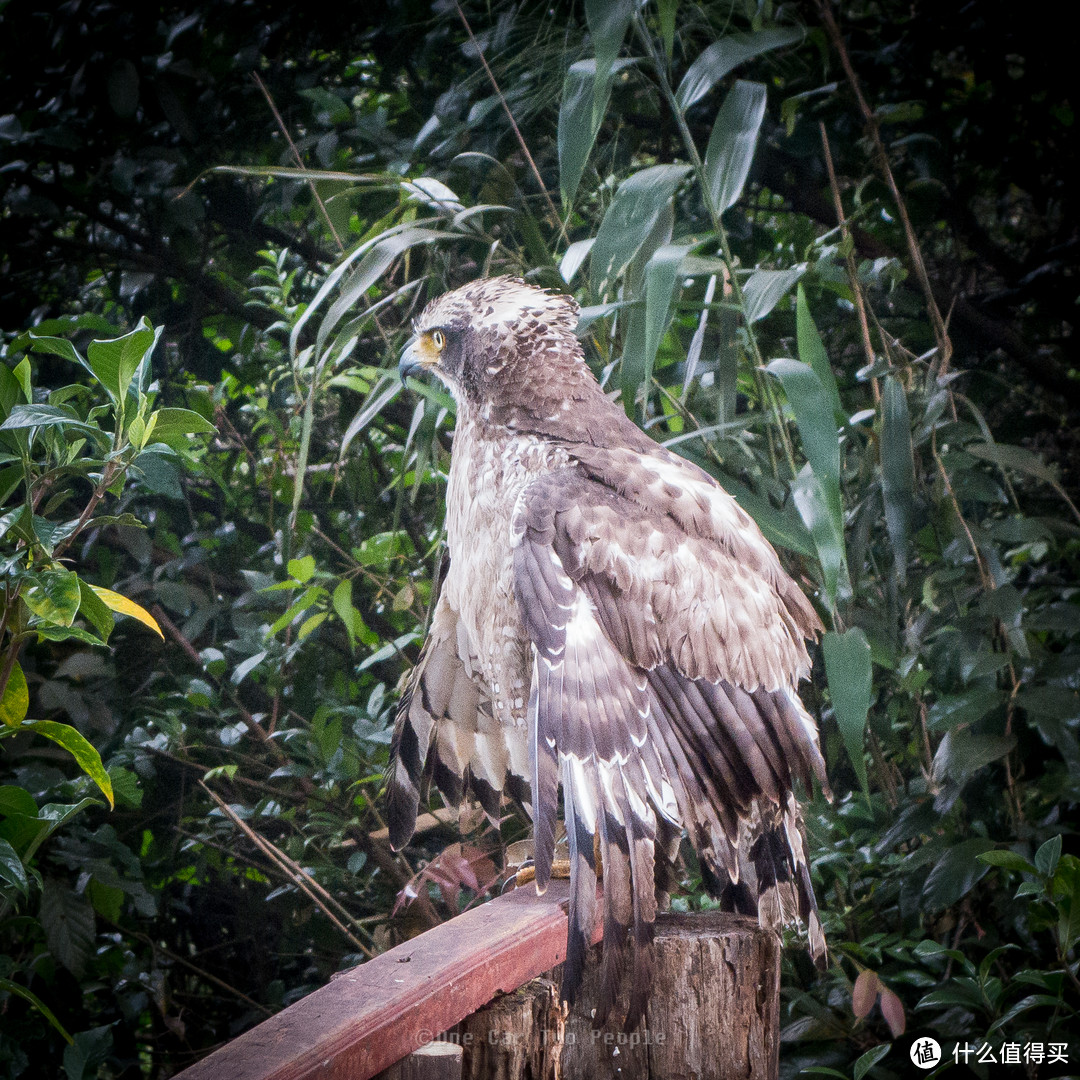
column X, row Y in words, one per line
column 410, row 362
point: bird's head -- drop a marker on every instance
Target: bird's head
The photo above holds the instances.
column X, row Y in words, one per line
column 501, row 346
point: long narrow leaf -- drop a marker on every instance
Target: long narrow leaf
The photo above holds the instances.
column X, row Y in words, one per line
column 850, row 676
column 584, row 102
column 731, row 145
column 724, row 56
column 897, row 470
column 764, row 289
column 812, row 350
column 384, row 391
column 629, row 221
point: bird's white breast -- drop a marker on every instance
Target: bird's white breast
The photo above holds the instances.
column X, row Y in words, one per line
column 487, row 477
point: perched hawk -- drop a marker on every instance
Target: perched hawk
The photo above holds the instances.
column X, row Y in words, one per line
column 613, row 622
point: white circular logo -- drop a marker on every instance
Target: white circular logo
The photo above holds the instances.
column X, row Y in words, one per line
column 925, row 1052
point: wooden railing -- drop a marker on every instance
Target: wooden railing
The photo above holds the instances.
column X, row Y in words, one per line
column 714, row 1013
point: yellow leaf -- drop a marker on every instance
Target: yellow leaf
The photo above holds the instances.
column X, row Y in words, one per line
column 123, row 606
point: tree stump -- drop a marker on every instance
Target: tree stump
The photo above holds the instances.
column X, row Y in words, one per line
column 714, row 1014
column 435, row 1061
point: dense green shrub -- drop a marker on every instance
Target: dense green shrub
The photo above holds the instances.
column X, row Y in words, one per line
column 290, row 562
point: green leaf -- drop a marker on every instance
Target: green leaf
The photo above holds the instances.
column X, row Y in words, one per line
column 54, row 596
column 11, row 868
column 1046, row 858
column 1007, row 860
column 68, row 922
column 812, row 350
column 57, row 346
column 381, row 395
column 302, row 569
column 31, row 416
column 820, row 518
column 764, row 289
column 168, row 423
column 820, row 503
column 242, row 670
column 17, row 800
column 1067, row 899
column 115, row 361
column 16, row 699
column 868, row 1060
column 95, row 611
column 850, row 676
column 731, row 145
column 583, row 104
column 724, row 56
column 372, row 267
column 608, row 21
column 9, row 987
column 84, row 753
column 10, row 391
column 955, row 874
column 960, row 754
column 897, row 470
column 952, row 710
column 814, row 416
column 1013, row 457
column 661, row 277
column 630, row 219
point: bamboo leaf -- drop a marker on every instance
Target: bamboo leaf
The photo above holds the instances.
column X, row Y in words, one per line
column 724, row 56
column 630, row 219
column 731, row 145
column 850, row 678
column 649, row 324
column 812, row 350
column 580, row 116
column 9, row 987
column 897, row 470
column 764, row 289
column 1013, row 457
column 813, row 415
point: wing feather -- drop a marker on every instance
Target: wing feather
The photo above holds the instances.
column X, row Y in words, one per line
column 446, row 729
column 667, row 643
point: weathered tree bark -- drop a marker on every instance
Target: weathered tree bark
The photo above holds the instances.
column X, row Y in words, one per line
column 519, row 1036
column 714, row 1015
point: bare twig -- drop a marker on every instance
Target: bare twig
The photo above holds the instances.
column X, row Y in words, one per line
column 849, row 259
column 295, row 872
column 941, row 333
column 510, row 115
column 298, row 159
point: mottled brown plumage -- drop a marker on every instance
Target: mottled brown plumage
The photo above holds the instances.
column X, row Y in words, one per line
column 612, row 622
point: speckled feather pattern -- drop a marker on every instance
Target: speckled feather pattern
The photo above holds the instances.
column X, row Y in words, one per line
column 613, row 625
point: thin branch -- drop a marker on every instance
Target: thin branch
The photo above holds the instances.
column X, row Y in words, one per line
column 941, row 333
column 295, row 872
column 297, row 158
column 849, row 259
column 510, row 115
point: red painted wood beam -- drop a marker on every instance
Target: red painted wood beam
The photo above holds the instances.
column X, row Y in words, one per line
column 364, row 1021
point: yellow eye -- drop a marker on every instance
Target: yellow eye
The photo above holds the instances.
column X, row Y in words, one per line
column 438, row 339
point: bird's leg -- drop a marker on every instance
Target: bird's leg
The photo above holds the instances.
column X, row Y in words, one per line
column 560, row 868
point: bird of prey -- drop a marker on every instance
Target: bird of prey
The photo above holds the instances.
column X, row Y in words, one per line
column 612, row 622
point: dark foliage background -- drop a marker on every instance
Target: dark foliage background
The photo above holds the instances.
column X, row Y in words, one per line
column 918, row 474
